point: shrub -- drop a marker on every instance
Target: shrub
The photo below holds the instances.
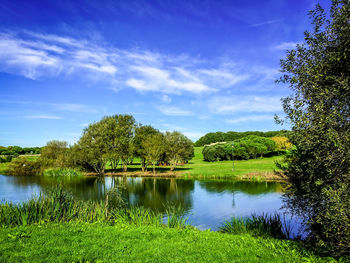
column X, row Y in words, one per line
column 23, row 167
column 330, row 228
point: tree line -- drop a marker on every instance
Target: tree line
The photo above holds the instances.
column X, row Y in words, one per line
column 116, row 141
column 230, row 136
column 248, row 147
column 10, row 152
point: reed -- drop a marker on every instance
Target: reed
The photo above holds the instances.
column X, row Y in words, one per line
column 53, row 172
column 261, row 225
column 58, row 205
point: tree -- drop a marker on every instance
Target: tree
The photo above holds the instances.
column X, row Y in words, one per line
column 141, row 134
column 92, row 149
column 318, row 72
column 54, row 153
column 154, row 146
column 178, row 148
column 117, row 132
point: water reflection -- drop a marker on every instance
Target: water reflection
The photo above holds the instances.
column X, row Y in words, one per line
column 207, row 203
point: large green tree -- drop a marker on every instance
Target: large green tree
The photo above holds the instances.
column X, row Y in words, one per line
column 178, row 148
column 141, row 134
column 318, row 169
column 154, row 146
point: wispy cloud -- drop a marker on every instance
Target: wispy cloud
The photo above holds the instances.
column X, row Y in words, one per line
column 269, row 22
column 37, row 56
column 250, row 118
column 286, row 45
column 74, row 107
column 174, row 111
column 48, row 117
column 234, row 104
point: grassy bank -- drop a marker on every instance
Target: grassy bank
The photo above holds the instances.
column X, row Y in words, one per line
column 261, row 169
column 70, row 242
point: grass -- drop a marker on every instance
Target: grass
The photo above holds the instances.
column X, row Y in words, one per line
column 261, row 225
column 58, row 205
column 254, row 169
column 57, row 228
column 71, row 242
column 261, row 169
column 62, row 172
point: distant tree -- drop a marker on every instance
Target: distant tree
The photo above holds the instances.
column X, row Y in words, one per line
column 282, row 143
column 318, row 168
column 178, row 148
column 154, row 146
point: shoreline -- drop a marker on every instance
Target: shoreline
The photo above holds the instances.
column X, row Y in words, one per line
column 251, row 177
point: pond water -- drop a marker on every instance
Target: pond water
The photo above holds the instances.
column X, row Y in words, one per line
column 207, row 203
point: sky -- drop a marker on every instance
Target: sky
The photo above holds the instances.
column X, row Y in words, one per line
column 191, row 66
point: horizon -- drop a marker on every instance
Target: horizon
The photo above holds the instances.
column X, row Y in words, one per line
column 195, row 67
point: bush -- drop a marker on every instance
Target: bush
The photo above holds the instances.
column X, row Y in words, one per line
column 248, row 147
column 23, row 167
column 330, row 228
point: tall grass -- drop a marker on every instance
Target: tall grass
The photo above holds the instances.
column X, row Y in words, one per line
column 58, row 205
column 262, row 225
column 62, row 172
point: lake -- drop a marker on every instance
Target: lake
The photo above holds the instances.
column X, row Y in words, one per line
column 207, row 203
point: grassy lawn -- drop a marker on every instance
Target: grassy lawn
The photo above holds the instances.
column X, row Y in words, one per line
column 256, row 168
column 69, row 242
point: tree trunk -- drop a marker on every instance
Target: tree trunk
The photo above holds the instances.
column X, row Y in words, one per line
column 154, row 168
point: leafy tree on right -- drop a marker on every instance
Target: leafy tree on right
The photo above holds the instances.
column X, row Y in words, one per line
column 318, row 167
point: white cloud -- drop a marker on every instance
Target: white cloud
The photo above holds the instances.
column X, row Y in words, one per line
column 250, row 118
column 286, row 45
column 39, row 56
column 49, row 117
column 74, row 107
column 227, row 105
column 166, row 99
column 174, row 111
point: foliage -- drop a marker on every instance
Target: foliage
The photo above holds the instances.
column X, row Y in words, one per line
column 243, row 149
column 22, row 166
column 282, row 143
column 330, row 227
column 318, row 72
column 55, row 153
column 154, row 146
column 141, row 134
column 177, row 148
column 214, row 137
column 17, row 150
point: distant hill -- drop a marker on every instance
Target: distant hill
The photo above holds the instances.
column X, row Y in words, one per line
column 214, row 137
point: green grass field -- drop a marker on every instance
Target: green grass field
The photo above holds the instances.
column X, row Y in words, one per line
column 71, row 242
column 258, row 168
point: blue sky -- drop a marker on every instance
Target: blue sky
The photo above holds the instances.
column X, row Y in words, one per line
column 192, row 66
